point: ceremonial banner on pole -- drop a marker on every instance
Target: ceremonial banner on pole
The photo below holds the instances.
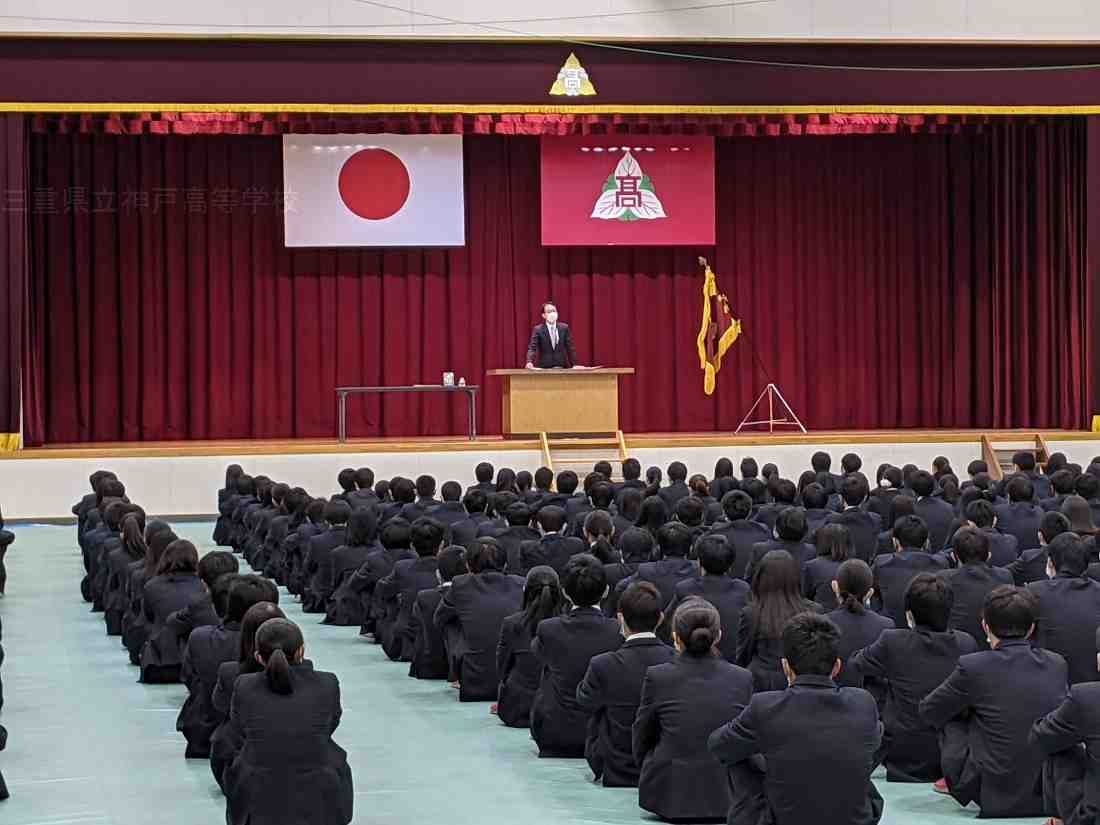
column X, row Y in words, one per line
column 718, row 330
column 641, row 190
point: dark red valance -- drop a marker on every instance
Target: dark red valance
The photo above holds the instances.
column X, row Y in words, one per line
column 278, row 123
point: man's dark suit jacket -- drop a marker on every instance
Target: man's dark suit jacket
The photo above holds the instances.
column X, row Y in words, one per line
column 892, row 574
column 1021, row 520
column 741, row 535
column 465, row 531
column 800, row 551
column 1030, row 567
column 553, row 550
column 400, row 588
column 1076, row 795
column 797, row 727
column 673, row 493
column 1069, row 613
column 1003, row 548
column 995, row 696
column 913, row 663
column 511, row 539
column 478, row 603
column 207, row 648
column 939, row 516
column 564, row 646
column 863, row 527
column 429, row 650
column 728, row 595
column 664, row 574
column 970, row 584
column 542, row 353
column 611, row 692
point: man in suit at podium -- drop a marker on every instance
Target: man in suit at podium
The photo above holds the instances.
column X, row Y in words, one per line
column 551, row 342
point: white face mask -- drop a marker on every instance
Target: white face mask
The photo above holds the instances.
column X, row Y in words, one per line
column 552, row 316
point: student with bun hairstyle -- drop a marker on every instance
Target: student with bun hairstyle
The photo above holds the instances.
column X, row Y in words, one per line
column 682, row 702
column 289, row 770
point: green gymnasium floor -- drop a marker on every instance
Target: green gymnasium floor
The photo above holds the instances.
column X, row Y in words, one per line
column 90, row 746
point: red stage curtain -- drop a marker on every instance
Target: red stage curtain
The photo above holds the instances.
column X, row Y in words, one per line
column 13, row 262
column 887, row 281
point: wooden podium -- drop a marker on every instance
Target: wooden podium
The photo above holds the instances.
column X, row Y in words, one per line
column 561, row 401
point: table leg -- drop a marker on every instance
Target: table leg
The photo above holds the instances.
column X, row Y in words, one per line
column 472, row 396
column 341, row 415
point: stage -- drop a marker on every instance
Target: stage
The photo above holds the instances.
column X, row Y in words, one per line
column 181, row 478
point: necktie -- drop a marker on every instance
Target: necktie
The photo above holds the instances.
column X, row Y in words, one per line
column 554, row 336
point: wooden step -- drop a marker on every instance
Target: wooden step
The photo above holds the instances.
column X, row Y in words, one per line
column 999, row 455
column 581, row 454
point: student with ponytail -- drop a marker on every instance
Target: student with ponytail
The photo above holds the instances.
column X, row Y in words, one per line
column 682, row 702
column 289, row 770
column 859, row 626
column 519, row 672
column 598, row 531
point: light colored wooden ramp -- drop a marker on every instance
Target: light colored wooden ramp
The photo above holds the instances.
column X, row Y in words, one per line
column 581, row 454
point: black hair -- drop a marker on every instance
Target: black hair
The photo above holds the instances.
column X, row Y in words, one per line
column 790, row 524
column 776, row 593
column 756, row 489
column 567, row 482
column 715, row 554
column 364, row 478
column 1087, row 486
column 542, row 597
column 854, row 489
column 1062, row 482
column 922, row 483
column 315, row 510
column 851, row 463
column 362, row 527
column 636, row 545
column 426, row 536
column 1053, row 524
column 640, row 606
column 396, row 535
column 769, row 470
column 602, row 495
column 653, row 476
column 893, row 476
column 1067, row 554
column 811, row 644
column 690, row 511
column 814, row 498
column 544, row 478
column 971, row 545
column 499, row 502
column 603, row 468
column 1024, row 460
column 598, row 528
column 524, row 481
column 911, row 532
column 674, row 539
column 854, row 581
column 518, row 514
column 475, row 501
column 1010, row 612
column 551, row 518
column 698, row 626
column 113, row 514
column 215, row 564
column 158, row 542
column 133, row 542
column 337, row 512
column 253, row 618
column 425, row 486
column 1020, row 488
column 246, row 591
column 485, row 555
column 930, row 599
column 402, row 490
column 653, row 515
column 821, row 462
column 450, row 491
column 179, row 557
column 382, row 490
column 834, row 541
column 976, row 466
column 483, row 472
column 506, row 480
column 584, row 580
column 981, row 513
column 632, row 469
column 723, row 468
column 737, row 505
column 277, row 643
column 452, row 562
column 749, row 468
column 346, row 479
column 677, row 471
column 630, row 503
column 784, row 491
column 219, row 592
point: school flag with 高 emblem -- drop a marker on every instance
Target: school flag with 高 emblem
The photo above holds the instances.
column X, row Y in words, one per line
column 717, row 332
column 641, row 190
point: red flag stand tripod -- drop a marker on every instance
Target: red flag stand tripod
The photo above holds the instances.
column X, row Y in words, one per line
column 775, row 399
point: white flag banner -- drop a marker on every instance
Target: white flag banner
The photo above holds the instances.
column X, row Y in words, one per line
column 373, row 190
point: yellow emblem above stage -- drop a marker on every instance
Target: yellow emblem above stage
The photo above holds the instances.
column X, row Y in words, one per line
column 572, row 79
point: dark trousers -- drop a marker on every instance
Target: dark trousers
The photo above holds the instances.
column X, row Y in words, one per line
column 1064, row 787
column 963, row 780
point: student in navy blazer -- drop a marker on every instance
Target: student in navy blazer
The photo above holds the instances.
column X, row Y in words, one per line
column 971, row 582
column 728, row 595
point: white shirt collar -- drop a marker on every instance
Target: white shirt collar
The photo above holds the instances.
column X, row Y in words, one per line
column 642, row 635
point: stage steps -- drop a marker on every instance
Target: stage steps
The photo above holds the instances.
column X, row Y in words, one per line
column 997, row 452
column 580, row 454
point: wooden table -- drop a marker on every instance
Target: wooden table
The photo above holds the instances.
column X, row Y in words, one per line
column 561, row 401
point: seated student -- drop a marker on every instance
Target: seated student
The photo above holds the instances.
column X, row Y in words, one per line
column 207, row 648
column 210, row 606
column 581, row 504
column 815, row 503
column 1087, row 487
column 936, row 513
column 363, row 495
column 629, row 507
column 430, row 648
column 790, row 536
column 135, row 627
column 740, row 532
column 728, row 595
column 395, row 539
column 450, row 510
column 1069, row 737
column 674, row 542
column 776, row 598
column 784, row 495
column 225, row 742
column 813, row 722
column 100, row 544
column 402, row 492
column 598, row 532
column 971, row 581
column 524, row 482
column 1068, row 611
column 888, row 481
column 496, row 508
column 131, row 549
column 425, row 501
column 518, row 530
column 563, row 646
column 636, row 547
column 986, row 707
column 345, row 605
column 1024, row 466
column 476, row 604
column 1031, row 566
column 863, row 525
column 1062, row 484
column 859, row 626
column 677, row 485
column 483, row 473
column 543, row 480
column 691, row 513
column 682, row 701
column 914, row 661
column 397, row 592
column 1003, row 548
column 612, row 687
column 894, row 572
column 518, row 670
column 1020, row 517
column 566, row 483
column 834, row 547
column 312, row 525
column 553, row 549
column 318, row 557
column 288, row 769
column 175, row 586
column 465, row 531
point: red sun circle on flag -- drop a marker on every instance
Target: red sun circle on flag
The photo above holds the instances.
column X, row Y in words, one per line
column 374, row 184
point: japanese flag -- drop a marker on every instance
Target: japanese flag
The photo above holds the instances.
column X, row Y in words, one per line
column 373, row 190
